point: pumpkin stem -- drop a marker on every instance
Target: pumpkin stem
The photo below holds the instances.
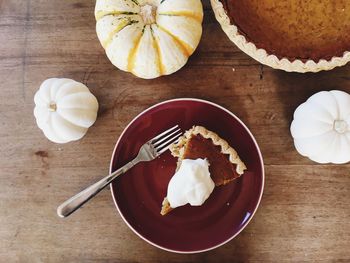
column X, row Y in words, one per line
column 340, row 126
column 53, row 106
column 148, row 14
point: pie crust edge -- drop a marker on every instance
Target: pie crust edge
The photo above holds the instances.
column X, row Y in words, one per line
column 268, row 59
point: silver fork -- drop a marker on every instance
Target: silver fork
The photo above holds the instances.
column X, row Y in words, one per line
column 148, row 152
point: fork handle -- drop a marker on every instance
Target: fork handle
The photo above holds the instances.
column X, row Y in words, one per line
column 77, row 201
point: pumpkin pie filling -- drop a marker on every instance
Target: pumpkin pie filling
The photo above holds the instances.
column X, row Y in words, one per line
column 221, row 169
column 295, row 29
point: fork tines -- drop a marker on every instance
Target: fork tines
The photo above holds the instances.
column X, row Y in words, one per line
column 162, row 141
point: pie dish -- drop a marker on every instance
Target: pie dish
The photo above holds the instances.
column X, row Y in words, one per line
column 199, row 142
column 297, row 35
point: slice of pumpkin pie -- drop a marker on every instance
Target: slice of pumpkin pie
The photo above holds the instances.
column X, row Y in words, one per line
column 204, row 160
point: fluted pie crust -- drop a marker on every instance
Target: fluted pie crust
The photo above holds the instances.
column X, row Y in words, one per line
column 198, row 134
column 290, row 63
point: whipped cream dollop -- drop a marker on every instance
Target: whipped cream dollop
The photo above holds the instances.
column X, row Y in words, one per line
column 191, row 184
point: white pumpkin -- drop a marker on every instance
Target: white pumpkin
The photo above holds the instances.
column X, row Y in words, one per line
column 64, row 109
column 149, row 38
column 321, row 127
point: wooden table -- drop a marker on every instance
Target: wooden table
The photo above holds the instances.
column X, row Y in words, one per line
column 305, row 210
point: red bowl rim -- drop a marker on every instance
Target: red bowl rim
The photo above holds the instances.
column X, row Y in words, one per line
column 260, row 157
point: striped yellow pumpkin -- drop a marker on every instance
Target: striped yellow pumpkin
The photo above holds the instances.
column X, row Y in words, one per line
column 149, row 38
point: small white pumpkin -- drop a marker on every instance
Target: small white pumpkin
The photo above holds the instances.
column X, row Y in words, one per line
column 64, row 109
column 149, row 38
column 321, row 127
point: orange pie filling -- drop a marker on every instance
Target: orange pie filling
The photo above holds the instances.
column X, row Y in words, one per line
column 295, row 29
column 221, row 169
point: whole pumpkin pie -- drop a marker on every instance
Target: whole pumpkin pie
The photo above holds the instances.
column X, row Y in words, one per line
column 315, row 34
column 200, row 143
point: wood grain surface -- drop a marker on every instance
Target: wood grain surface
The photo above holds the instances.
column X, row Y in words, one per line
column 305, row 210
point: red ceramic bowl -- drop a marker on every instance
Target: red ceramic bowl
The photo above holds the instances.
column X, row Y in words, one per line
column 139, row 193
